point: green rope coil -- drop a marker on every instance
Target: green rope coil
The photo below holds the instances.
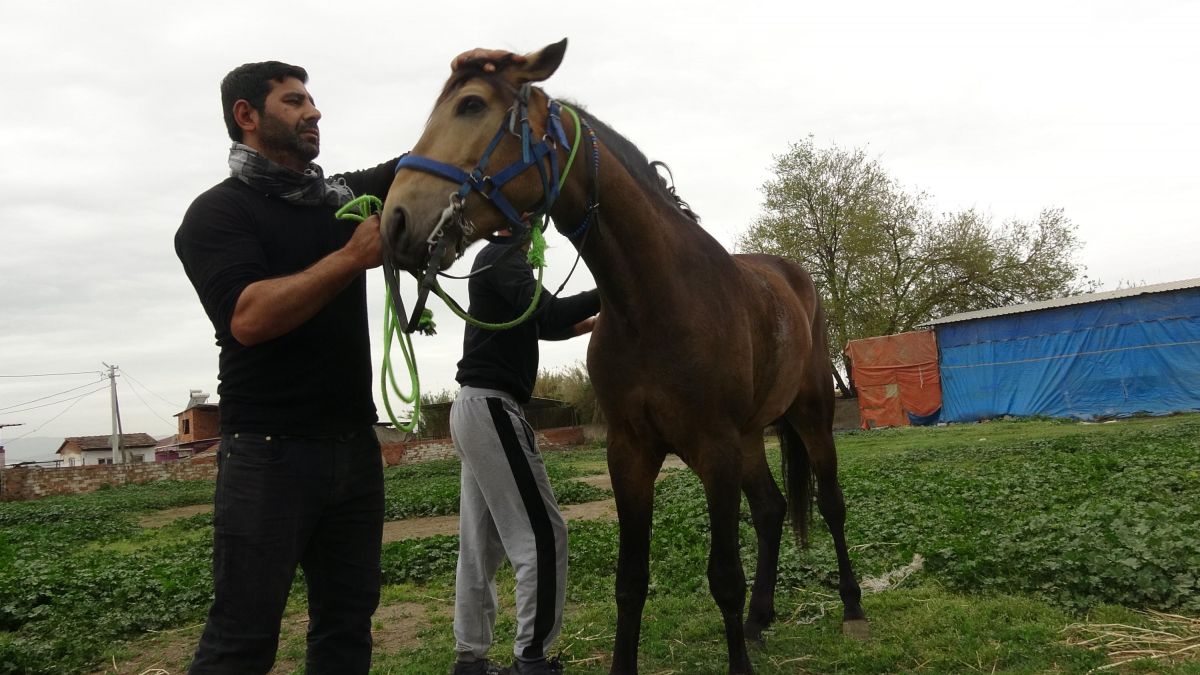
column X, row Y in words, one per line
column 358, row 210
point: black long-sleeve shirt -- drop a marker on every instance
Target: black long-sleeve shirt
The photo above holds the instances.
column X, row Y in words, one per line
column 317, row 378
column 508, row 360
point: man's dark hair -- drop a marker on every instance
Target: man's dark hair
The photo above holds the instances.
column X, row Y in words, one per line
column 252, row 81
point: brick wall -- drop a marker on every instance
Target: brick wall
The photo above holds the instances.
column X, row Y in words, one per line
column 206, row 426
column 31, row 482
column 397, row 452
column 560, row 438
column 414, row 452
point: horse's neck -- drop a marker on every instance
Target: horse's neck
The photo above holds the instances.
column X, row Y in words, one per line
column 644, row 255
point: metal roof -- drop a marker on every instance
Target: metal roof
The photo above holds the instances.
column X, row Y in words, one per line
column 105, row 442
column 1065, row 302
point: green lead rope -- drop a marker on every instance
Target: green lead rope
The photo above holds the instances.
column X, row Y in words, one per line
column 537, row 258
column 358, row 210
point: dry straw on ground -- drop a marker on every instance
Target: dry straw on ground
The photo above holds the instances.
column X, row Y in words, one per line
column 808, row 612
column 1166, row 637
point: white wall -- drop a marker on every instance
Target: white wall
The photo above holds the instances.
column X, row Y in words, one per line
column 93, row 457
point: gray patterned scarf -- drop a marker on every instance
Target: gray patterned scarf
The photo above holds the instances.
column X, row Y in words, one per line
column 310, row 188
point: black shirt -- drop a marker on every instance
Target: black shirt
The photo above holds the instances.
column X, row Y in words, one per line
column 508, row 360
column 317, row 378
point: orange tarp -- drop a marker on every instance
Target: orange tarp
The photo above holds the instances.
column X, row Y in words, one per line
column 896, row 375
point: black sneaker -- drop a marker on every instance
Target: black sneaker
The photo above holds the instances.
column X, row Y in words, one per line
column 481, row 667
column 551, row 666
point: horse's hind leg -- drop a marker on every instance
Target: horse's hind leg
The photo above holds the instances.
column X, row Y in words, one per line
column 633, row 470
column 768, row 509
column 818, row 440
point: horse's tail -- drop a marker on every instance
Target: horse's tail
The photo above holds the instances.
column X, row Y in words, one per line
column 798, row 483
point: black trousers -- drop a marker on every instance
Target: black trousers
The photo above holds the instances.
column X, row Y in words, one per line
column 287, row 501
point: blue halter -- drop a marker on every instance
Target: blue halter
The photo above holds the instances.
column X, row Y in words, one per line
column 490, row 186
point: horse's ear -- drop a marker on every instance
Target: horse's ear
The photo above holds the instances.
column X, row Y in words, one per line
column 540, row 65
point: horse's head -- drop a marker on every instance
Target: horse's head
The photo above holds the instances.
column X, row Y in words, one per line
column 481, row 165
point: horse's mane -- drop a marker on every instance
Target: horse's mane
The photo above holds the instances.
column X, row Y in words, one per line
column 636, row 163
column 679, row 201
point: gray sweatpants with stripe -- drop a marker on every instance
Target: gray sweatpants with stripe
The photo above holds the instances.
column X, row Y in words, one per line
column 506, row 509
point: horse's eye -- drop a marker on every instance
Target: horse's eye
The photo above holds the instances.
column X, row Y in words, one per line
column 471, row 105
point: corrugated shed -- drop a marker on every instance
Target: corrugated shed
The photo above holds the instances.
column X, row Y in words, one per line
column 1066, row 302
column 1105, row 355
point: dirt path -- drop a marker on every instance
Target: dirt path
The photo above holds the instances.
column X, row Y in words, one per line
column 395, row 626
column 417, row 528
column 164, row 517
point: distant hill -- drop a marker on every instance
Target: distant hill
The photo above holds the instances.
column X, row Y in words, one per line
column 32, row 449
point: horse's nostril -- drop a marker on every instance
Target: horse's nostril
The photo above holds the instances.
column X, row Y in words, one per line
column 393, row 226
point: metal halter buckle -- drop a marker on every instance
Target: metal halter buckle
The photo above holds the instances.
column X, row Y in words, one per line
column 454, row 208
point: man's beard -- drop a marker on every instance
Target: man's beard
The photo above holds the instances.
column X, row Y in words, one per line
column 277, row 137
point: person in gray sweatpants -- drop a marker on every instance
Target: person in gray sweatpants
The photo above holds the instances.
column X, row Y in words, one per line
column 506, row 506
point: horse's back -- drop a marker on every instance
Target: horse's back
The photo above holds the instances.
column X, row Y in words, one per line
column 787, row 279
column 793, row 273
column 788, row 300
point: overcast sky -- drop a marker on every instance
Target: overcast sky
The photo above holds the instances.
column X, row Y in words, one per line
column 112, row 125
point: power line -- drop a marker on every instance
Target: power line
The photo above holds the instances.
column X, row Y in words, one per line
column 64, row 410
column 126, row 374
column 66, row 391
column 84, row 372
column 152, row 411
column 44, row 405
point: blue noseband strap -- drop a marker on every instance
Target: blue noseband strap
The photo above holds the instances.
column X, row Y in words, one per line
column 489, row 186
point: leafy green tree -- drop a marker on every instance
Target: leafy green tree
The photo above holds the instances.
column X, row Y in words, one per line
column 885, row 263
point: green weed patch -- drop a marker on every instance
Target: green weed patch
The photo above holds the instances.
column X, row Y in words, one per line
column 1025, row 528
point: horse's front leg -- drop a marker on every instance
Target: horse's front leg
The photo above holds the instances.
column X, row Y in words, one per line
column 633, row 469
column 720, row 472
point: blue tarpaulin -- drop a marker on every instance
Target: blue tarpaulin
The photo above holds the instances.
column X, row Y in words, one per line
column 1110, row 358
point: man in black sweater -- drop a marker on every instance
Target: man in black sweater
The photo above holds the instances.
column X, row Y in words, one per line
column 300, row 475
column 506, row 506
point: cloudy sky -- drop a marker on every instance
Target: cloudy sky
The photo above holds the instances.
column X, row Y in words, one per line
column 112, row 125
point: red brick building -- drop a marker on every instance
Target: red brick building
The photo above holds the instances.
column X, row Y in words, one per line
column 198, row 430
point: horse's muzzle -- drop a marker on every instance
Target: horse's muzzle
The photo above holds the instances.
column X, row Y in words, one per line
column 404, row 254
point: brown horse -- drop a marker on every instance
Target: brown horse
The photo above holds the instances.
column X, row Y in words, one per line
column 695, row 351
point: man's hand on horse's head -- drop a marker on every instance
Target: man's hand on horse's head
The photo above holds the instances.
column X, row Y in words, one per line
column 490, row 57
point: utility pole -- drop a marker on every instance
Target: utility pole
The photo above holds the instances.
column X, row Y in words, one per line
column 118, row 453
column 2, row 478
column 2, row 425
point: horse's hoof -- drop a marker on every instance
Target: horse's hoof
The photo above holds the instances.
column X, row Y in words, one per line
column 754, row 634
column 859, row 629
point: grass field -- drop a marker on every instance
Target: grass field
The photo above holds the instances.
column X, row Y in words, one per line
column 1040, row 543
